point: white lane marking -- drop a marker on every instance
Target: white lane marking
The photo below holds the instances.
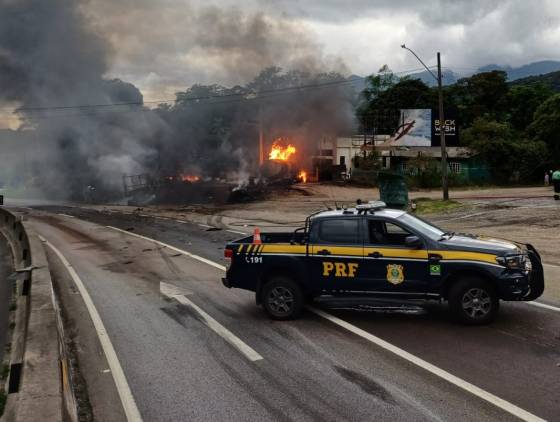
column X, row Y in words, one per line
column 171, row 291
column 466, row 216
column 206, row 226
column 473, row 389
column 544, row 306
column 551, row 265
column 66, row 215
column 181, row 251
column 125, row 394
column 236, row 232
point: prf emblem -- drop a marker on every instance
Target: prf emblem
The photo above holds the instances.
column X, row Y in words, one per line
column 340, row 269
column 395, row 273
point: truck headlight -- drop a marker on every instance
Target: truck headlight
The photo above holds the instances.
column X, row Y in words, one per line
column 515, row 262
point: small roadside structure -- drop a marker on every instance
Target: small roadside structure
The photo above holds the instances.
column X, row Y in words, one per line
column 393, row 189
column 463, row 163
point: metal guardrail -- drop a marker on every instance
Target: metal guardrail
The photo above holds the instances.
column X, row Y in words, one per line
column 39, row 385
column 12, row 229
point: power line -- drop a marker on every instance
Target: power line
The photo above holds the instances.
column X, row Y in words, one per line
column 201, row 98
column 242, row 96
column 100, row 109
column 219, row 100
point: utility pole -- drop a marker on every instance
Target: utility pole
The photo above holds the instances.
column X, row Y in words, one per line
column 261, row 138
column 441, row 121
column 444, row 179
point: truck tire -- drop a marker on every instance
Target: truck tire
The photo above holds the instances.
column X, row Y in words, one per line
column 282, row 298
column 473, row 301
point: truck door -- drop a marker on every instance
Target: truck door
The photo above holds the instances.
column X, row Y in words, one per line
column 389, row 264
column 336, row 250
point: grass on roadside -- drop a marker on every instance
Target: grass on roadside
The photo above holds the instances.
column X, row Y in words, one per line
column 435, row 206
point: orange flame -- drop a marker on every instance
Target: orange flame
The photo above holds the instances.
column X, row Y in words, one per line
column 190, row 178
column 302, row 176
column 281, row 153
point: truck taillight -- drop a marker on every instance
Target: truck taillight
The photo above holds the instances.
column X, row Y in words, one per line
column 228, row 253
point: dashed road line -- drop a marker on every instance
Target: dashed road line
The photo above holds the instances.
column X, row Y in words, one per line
column 173, row 248
column 66, row 215
column 206, row 226
column 465, row 216
column 125, row 394
column 464, row 385
column 214, row 325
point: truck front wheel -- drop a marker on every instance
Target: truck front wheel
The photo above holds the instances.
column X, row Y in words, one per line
column 282, row 298
column 473, row 301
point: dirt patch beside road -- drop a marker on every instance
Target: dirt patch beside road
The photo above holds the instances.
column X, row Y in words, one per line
column 535, row 221
column 528, row 214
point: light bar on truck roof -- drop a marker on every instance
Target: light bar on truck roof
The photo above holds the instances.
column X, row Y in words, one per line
column 371, row 206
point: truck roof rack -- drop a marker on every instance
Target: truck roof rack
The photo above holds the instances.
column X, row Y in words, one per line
column 370, row 206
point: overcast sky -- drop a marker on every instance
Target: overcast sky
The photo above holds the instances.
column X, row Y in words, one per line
column 166, row 45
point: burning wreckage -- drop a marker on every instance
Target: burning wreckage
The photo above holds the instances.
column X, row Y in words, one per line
column 278, row 172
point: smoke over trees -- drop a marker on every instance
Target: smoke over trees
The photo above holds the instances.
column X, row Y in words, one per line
column 86, row 129
column 219, row 135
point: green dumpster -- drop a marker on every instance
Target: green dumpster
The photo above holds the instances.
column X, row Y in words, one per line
column 393, row 190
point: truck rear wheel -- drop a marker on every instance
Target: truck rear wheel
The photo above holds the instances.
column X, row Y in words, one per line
column 473, row 301
column 282, row 298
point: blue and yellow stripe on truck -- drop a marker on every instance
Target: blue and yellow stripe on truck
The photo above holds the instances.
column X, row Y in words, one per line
column 358, row 251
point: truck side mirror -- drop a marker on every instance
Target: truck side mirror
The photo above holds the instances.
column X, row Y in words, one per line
column 412, row 241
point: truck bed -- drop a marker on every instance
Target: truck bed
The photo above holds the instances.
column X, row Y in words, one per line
column 274, row 237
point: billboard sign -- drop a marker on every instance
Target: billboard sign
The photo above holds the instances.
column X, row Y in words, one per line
column 415, row 128
column 450, row 127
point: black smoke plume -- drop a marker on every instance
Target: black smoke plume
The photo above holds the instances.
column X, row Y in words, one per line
column 82, row 131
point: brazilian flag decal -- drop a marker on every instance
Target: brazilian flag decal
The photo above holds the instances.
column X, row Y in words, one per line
column 435, row 269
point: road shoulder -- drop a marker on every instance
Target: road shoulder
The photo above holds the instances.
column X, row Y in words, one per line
column 95, row 389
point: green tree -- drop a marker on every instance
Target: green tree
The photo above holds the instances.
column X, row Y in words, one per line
column 504, row 151
column 480, row 95
column 408, row 93
column 546, row 126
column 523, row 101
column 377, row 84
column 385, row 94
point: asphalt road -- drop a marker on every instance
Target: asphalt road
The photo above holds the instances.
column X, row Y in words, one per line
column 179, row 369
column 6, row 268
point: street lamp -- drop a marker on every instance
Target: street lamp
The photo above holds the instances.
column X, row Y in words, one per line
column 438, row 78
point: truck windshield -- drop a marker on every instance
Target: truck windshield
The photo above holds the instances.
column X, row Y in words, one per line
column 422, row 226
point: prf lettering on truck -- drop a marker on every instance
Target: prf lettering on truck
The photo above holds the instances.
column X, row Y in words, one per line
column 340, row 269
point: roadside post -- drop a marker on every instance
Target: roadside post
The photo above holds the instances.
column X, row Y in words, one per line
column 438, row 78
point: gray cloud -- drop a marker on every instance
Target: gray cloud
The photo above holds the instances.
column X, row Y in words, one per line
column 429, row 11
column 170, row 44
column 166, row 45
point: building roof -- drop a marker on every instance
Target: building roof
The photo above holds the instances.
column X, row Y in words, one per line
column 433, row 152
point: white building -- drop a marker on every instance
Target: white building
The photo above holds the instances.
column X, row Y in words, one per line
column 340, row 151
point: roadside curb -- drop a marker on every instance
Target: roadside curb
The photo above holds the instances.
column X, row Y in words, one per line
column 39, row 385
column 13, row 231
